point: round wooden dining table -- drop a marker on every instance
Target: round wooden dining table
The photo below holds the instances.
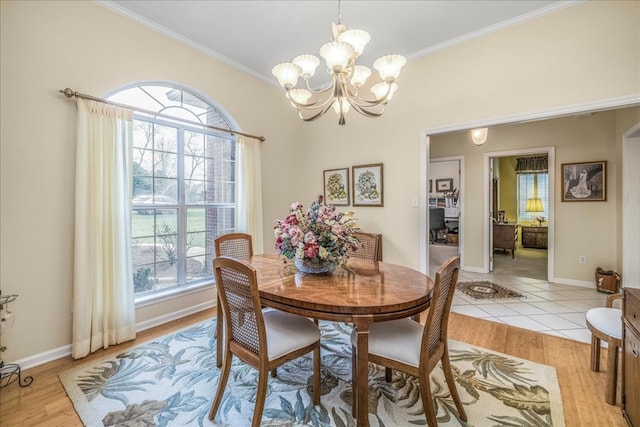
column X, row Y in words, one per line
column 363, row 292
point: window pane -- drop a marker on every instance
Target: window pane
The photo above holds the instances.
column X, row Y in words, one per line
column 177, row 167
column 530, row 186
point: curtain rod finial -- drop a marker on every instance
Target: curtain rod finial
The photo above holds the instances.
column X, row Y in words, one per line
column 68, row 92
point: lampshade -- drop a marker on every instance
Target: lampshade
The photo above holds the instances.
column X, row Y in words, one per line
column 301, row 96
column 356, row 38
column 389, row 67
column 479, row 136
column 287, row 74
column 380, row 90
column 360, row 75
column 336, row 54
column 308, row 65
column 534, row 204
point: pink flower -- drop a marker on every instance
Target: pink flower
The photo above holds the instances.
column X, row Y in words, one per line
column 296, row 234
column 337, row 229
column 311, row 250
column 309, row 237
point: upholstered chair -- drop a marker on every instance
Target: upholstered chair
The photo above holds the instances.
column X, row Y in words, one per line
column 410, row 347
column 264, row 340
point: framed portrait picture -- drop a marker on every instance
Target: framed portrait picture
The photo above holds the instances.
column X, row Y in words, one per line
column 444, row 185
column 584, row 182
column 367, row 185
column 336, row 187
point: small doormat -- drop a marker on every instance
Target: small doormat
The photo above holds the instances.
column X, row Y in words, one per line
column 486, row 290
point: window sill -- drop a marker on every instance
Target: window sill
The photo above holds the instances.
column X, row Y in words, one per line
column 169, row 294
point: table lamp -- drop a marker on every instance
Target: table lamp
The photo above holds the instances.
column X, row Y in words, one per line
column 534, row 205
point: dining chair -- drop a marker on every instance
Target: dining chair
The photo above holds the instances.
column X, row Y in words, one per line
column 264, row 340
column 368, row 247
column 605, row 323
column 410, row 347
column 233, row 245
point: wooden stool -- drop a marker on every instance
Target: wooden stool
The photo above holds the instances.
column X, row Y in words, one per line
column 605, row 323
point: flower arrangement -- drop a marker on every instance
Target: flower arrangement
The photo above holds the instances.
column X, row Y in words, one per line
column 318, row 237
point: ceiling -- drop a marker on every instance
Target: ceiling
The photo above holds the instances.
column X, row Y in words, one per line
column 256, row 35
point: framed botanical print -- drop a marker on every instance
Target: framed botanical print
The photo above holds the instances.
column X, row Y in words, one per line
column 336, row 187
column 367, row 185
column 584, row 182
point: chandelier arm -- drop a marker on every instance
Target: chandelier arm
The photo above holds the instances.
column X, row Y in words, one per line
column 365, row 103
column 362, row 102
column 362, row 110
column 326, row 103
column 315, row 116
column 321, row 91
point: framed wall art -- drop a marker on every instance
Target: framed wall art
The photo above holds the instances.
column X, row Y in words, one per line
column 367, row 185
column 444, row 185
column 336, row 187
column 584, row 182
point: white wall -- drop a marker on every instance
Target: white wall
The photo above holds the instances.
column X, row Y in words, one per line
column 519, row 71
column 50, row 45
column 448, row 169
column 46, row 46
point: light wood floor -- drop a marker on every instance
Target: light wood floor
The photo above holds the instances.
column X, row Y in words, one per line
column 45, row 403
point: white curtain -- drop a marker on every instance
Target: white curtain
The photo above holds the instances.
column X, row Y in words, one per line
column 249, row 190
column 103, row 297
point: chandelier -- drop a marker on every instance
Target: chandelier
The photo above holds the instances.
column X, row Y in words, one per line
column 347, row 78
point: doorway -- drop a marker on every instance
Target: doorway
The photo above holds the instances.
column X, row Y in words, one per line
column 520, row 212
column 444, row 201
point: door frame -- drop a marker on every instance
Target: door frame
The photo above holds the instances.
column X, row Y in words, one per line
column 630, row 207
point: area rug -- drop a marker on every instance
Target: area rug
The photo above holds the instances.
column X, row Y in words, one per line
column 171, row 382
column 487, row 290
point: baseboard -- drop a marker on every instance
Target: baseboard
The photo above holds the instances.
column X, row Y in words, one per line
column 65, row 350
column 572, row 282
column 473, row 269
column 161, row 320
column 44, row 357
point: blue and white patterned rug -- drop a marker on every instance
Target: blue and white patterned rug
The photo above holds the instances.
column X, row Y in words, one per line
column 171, row 382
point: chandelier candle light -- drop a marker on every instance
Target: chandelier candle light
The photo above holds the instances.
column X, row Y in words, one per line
column 347, row 78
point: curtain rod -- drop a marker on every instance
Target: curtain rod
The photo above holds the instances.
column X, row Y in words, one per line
column 70, row 93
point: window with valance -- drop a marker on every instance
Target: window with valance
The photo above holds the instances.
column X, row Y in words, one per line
column 533, row 182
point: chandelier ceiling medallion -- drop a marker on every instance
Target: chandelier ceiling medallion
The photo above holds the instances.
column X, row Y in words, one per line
column 347, row 78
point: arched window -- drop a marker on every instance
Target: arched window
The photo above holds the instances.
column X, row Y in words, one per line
column 183, row 186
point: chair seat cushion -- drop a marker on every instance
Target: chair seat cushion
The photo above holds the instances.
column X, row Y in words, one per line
column 606, row 320
column 397, row 340
column 287, row 332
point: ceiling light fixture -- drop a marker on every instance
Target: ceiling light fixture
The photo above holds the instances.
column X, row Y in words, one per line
column 479, row 136
column 347, row 78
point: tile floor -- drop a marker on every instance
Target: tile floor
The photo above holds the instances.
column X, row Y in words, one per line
column 546, row 307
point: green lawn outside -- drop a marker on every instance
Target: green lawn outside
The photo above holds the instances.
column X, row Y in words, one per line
column 143, row 226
